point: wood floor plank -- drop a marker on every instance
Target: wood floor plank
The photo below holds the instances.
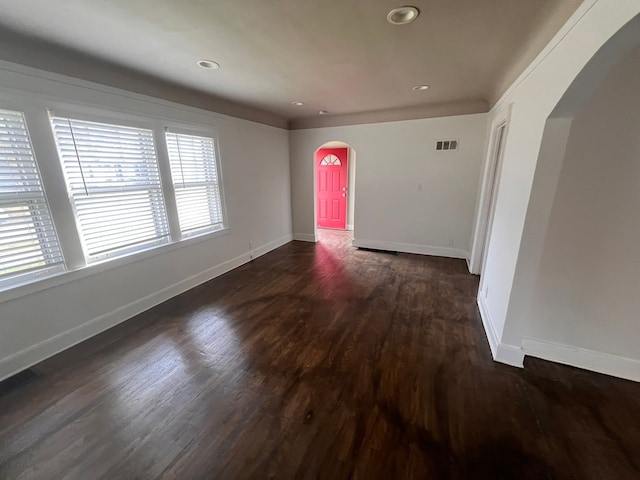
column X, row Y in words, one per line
column 316, row 361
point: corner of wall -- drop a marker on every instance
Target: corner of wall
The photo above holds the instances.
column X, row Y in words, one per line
column 305, row 237
column 501, row 352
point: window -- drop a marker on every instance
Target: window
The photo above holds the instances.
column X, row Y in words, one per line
column 114, row 185
column 196, row 182
column 330, row 159
column 28, row 242
column 113, row 176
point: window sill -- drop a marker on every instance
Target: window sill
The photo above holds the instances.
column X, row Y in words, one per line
column 38, row 285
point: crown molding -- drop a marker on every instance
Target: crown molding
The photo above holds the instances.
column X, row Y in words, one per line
column 36, row 53
column 432, row 110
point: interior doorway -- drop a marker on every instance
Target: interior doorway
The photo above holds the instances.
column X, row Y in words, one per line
column 331, row 187
column 489, row 191
column 334, row 167
column 495, row 169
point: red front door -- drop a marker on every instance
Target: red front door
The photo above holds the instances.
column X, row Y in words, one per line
column 331, row 187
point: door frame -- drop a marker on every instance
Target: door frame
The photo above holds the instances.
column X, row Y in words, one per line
column 343, row 154
column 489, row 189
column 351, row 186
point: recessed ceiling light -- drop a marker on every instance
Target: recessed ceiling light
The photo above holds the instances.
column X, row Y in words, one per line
column 420, row 88
column 403, row 15
column 297, row 104
column 208, row 64
column 322, row 112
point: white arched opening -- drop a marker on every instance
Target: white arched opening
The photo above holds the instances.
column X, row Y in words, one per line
column 351, row 177
column 559, row 109
column 583, row 302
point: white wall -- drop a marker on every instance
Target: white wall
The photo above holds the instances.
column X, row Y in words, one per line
column 255, row 167
column 587, row 290
column 522, row 208
column 408, row 197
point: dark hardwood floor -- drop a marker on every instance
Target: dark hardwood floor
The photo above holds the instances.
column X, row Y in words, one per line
column 315, row 361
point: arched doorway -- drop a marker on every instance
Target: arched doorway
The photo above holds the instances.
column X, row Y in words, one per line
column 334, row 186
column 546, row 291
column 583, row 303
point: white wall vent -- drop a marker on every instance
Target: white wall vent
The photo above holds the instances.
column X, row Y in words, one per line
column 447, row 144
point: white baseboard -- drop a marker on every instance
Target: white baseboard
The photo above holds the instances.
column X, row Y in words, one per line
column 36, row 353
column 411, row 248
column 267, row 247
column 469, row 265
column 600, row 362
column 349, row 226
column 510, row 355
column 501, row 352
column 305, row 237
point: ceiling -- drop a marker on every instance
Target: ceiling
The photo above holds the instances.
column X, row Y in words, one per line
column 335, row 55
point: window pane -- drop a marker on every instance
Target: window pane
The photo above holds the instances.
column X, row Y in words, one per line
column 113, row 178
column 196, row 182
column 28, row 241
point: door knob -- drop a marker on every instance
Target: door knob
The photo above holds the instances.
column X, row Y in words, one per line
column 344, row 189
column 344, row 194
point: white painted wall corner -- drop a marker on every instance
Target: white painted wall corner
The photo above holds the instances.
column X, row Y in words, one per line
column 305, row 237
column 501, row 352
column 469, row 267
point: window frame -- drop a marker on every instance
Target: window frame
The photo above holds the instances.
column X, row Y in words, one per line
column 117, row 122
column 35, row 108
column 211, row 133
column 25, row 278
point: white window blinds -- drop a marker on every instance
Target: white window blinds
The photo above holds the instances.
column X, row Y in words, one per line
column 196, row 182
column 114, row 184
column 28, row 241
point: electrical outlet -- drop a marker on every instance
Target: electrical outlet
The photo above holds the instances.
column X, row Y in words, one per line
column 451, row 241
column 250, row 245
column 419, row 187
column 486, row 291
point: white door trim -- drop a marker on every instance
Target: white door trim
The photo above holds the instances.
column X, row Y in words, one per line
column 489, row 189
